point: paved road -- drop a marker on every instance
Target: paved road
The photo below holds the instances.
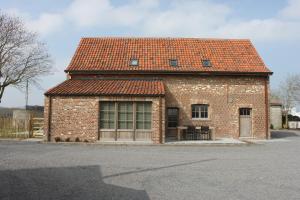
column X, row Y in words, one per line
column 49, row 171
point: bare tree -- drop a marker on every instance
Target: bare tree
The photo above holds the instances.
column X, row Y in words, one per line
column 297, row 89
column 289, row 94
column 22, row 57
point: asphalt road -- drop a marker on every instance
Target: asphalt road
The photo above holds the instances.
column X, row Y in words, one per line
column 268, row 170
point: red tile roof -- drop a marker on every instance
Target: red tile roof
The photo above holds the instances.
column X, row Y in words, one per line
column 114, row 54
column 109, row 87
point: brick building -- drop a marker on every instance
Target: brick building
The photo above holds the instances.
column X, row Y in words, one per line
column 146, row 89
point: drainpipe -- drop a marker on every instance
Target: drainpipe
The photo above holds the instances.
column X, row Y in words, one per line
column 160, row 121
column 267, row 107
column 49, row 119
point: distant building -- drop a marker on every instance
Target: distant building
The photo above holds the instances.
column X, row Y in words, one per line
column 276, row 114
column 294, row 122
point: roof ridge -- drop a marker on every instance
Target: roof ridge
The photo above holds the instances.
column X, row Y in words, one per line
column 164, row 38
column 118, row 78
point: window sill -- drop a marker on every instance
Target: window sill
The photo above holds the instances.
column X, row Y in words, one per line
column 201, row 119
column 143, row 130
column 120, row 130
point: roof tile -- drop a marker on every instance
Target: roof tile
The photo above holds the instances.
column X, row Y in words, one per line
column 108, row 87
column 114, row 54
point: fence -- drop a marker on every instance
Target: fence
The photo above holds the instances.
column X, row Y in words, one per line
column 20, row 128
column 37, row 127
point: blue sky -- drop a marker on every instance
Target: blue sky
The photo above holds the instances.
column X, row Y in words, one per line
column 272, row 25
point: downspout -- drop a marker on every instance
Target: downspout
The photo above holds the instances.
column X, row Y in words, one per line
column 49, row 119
column 160, row 121
column 267, row 107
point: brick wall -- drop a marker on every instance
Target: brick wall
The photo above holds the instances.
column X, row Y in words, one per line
column 78, row 116
column 224, row 95
column 73, row 117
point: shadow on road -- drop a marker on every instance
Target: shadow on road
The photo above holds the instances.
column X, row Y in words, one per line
column 82, row 182
column 284, row 134
column 156, row 168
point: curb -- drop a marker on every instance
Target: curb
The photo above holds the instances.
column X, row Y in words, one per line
column 145, row 144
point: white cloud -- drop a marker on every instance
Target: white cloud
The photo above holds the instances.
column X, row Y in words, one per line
column 292, row 10
column 189, row 18
column 93, row 13
column 88, row 12
column 262, row 30
column 45, row 24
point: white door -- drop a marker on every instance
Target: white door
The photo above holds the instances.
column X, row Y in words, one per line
column 245, row 122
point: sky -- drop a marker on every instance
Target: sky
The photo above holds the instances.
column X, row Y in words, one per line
column 273, row 26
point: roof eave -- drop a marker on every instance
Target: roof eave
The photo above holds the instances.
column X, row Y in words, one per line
column 47, row 94
column 165, row 72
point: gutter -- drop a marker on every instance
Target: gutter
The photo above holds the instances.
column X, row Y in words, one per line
column 157, row 72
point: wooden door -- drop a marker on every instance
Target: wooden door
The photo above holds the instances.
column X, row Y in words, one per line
column 245, row 122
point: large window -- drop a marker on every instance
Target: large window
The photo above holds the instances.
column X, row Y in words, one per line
column 107, row 115
column 125, row 115
column 143, row 115
column 120, row 115
column 200, row 111
column 172, row 117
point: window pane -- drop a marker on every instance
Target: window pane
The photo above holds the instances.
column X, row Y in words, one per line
column 122, row 116
column 130, row 116
column 148, row 107
column 139, row 107
column 129, row 125
column 172, row 124
column 139, row 125
column 172, row 117
column 103, row 115
column 129, row 107
column 122, row 125
column 147, row 117
column 122, row 107
column 105, row 124
column 104, row 106
column 111, row 116
column 139, row 116
column 111, row 124
column 147, row 125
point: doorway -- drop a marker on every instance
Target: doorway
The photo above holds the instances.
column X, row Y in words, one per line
column 245, row 122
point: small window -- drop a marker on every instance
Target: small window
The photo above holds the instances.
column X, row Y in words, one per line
column 134, row 62
column 173, row 63
column 172, row 117
column 200, row 111
column 206, row 63
column 245, row 111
